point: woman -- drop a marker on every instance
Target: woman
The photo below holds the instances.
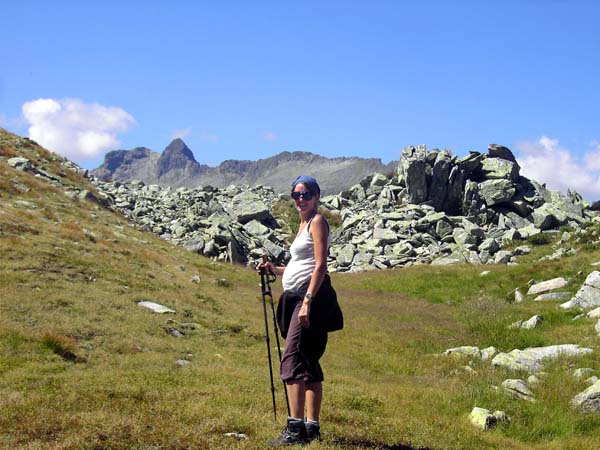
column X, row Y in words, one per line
column 306, row 311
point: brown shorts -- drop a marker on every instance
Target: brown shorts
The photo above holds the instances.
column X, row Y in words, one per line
column 303, row 348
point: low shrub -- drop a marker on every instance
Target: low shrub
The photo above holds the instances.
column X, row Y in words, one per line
column 539, row 239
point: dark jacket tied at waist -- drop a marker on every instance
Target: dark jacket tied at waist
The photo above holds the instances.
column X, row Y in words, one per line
column 325, row 313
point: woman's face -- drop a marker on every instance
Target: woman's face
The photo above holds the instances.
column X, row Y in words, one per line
column 304, row 204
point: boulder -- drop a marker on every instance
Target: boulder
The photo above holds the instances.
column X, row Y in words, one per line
column 529, row 324
column 499, row 151
column 413, row 171
column 385, row 236
column 155, row 307
column 438, row 189
column 518, row 389
column 588, row 296
column 248, row 206
column 472, row 352
column 548, row 216
column 548, row 285
column 494, row 192
column 195, row 245
column 531, row 359
column 518, row 296
column 589, row 400
column 256, row 228
column 345, row 255
column 484, row 419
column 552, row 296
column 497, row 168
column 488, row 353
column 362, row 260
column 20, row 163
column 502, row 257
column 528, row 231
column 454, row 192
column 464, row 238
column 443, row 228
column 473, row 204
column 468, row 164
column 490, row 246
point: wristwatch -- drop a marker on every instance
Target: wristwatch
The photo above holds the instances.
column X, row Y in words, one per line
column 309, row 296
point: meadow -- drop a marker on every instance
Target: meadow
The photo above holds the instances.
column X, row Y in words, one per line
column 82, row 366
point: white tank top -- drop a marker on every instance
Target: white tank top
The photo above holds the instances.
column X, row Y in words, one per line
column 296, row 276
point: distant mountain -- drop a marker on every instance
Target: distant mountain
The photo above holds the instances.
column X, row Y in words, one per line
column 177, row 167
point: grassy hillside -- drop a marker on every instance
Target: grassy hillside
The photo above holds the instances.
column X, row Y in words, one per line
column 83, row 366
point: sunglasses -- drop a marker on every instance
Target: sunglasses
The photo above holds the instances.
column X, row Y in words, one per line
column 305, row 195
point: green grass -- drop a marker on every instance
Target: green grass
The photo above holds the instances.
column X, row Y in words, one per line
column 83, row 366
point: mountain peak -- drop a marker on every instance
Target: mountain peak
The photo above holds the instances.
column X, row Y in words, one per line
column 178, row 147
column 177, row 155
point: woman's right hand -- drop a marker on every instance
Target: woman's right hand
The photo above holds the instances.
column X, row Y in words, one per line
column 268, row 267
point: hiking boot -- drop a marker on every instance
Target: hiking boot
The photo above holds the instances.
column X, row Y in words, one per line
column 293, row 433
column 313, row 432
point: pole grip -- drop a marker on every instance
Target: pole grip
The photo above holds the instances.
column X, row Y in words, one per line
column 263, row 270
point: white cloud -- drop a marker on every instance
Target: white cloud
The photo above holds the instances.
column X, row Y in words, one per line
column 75, row 129
column 181, row 133
column 547, row 162
column 270, row 136
column 592, row 158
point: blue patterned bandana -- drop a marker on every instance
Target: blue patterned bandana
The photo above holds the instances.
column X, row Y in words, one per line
column 309, row 182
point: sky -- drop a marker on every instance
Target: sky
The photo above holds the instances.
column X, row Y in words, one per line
column 248, row 80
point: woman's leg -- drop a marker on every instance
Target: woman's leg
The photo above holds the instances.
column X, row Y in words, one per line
column 314, row 397
column 296, row 395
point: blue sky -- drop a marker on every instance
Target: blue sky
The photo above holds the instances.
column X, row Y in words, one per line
column 247, row 80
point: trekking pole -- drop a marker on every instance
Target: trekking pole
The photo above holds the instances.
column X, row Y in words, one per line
column 270, row 278
column 263, row 286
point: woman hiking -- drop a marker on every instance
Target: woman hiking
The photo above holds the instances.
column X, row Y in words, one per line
column 306, row 311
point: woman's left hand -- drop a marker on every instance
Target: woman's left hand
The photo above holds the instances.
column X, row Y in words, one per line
column 303, row 315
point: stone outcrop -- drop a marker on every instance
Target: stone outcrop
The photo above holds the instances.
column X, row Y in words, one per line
column 484, row 419
column 531, row 359
column 443, row 210
column 518, row 389
column 233, row 224
column 588, row 296
column 548, row 285
column 588, row 400
column 439, row 210
column 529, row 324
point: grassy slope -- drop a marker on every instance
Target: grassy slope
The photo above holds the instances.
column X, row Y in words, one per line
column 82, row 366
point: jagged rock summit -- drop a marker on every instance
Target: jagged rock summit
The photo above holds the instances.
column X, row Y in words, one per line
column 176, row 156
column 177, row 167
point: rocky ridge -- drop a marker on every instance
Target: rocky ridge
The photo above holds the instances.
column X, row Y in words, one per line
column 439, row 209
column 442, row 209
column 176, row 167
column 233, row 224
